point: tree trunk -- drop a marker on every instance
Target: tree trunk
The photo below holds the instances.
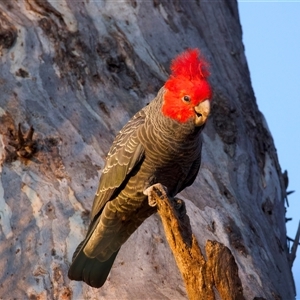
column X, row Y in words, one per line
column 76, row 72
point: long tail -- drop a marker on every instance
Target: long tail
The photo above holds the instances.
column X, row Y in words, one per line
column 90, row 270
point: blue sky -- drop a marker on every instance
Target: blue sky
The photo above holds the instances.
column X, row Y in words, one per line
column 271, row 35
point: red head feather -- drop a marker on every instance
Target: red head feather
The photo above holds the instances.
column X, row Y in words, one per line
column 188, row 78
column 188, row 65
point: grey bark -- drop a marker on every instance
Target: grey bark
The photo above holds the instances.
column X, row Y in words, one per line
column 76, row 72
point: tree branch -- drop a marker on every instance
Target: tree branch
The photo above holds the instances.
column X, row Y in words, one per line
column 219, row 274
column 292, row 255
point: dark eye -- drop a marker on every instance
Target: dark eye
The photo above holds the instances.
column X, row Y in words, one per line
column 186, row 98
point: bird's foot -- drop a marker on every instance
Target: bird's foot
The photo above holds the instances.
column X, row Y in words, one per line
column 158, row 189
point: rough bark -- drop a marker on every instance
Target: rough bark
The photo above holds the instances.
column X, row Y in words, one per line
column 204, row 279
column 77, row 73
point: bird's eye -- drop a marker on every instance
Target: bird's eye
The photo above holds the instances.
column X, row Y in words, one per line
column 186, row 98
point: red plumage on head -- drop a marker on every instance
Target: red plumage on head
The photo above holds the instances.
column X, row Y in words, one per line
column 188, row 77
column 190, row 66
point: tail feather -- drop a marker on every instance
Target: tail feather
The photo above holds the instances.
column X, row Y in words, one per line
column 90, row 270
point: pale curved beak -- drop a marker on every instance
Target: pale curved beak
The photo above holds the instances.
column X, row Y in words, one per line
column 202, row 111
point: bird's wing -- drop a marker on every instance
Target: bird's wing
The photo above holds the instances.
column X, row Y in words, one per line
column 125, row 153
column 192, row 174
